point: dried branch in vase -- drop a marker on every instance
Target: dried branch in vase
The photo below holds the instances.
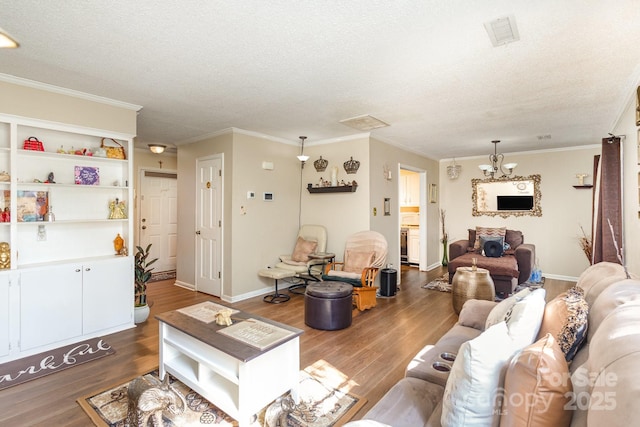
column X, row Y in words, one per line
column 619, row 253
column 443, row 215
column 586, row 245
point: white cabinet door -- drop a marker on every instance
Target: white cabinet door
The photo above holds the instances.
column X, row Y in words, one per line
column 4, row 314
column 50, row 305
column 413, row 246
column 107, row 294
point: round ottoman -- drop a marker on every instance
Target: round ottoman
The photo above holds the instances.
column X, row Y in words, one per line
column 471, row 283
column 328, row 305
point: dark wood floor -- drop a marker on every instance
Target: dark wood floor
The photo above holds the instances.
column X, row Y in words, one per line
column 371, row 354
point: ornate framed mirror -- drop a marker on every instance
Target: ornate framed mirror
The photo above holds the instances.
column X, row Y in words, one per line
column 506, row 196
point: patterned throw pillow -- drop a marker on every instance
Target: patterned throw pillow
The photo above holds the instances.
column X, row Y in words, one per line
column 488, row 232
column 565, row 317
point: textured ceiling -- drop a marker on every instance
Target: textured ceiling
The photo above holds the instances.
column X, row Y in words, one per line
column 290, row 68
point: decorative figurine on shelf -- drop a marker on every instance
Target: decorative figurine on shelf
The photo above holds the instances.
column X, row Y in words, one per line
column 50, row 179
column 118, row 244
column 5, row 215
column 5, row 256
column 5, row 177
column 117, row 209
column 223, row 317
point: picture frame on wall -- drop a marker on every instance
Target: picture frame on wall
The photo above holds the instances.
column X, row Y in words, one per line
column 433, row 193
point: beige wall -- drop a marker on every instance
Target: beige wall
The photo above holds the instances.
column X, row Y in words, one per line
column 341, row 213
column 631, row 183
column 564, row 209
column 392, row 157
column 57, row 107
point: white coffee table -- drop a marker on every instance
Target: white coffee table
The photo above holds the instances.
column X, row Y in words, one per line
column 238, row 378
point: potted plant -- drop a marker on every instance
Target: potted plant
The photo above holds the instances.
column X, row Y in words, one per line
column 142, row 276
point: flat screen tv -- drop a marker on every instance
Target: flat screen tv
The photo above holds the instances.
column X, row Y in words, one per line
column 515, row 203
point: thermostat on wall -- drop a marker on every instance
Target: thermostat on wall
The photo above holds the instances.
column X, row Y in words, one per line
column 267, row 197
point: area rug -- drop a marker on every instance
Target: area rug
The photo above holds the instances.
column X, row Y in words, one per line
column 162, row 275
column 320, row 405
column 36, row 366
column 440, row 284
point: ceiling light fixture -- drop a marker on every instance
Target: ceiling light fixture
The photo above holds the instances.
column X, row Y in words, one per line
column 496, row 163
column 302, row 157
column 157, row 148
column 6, row 41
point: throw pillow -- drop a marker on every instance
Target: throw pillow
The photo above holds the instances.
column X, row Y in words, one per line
column 302, row 249
column 524, row 318
column 537, row 387
column 492, row 248
column 356, row 261
column 471, row 395
column 488, row 232
column 514, row 238
column 565, row 317
column 500, row 310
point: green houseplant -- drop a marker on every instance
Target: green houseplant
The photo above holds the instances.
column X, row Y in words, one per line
column 142, row 276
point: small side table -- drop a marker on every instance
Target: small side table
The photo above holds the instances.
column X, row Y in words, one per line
column 471, row 283
column 326, row 258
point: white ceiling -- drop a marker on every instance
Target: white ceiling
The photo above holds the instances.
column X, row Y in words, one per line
column 290, row 68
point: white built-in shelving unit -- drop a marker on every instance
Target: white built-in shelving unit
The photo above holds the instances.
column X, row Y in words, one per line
column 65, row 282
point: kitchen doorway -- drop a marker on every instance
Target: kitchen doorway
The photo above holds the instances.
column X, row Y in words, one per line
column 412, row 193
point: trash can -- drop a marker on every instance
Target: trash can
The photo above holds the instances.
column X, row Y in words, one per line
column 388, row 280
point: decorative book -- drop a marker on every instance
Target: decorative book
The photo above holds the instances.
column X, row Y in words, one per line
column 87, row 175
column 32, row 205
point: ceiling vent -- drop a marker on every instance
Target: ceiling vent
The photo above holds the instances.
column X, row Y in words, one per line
column 364, row 123
column 502, row 30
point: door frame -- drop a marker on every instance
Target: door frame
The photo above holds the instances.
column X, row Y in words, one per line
column 222, row 219
column 422, row 266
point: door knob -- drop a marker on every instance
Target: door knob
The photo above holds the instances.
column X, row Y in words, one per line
column 144, row 227
column 198, row 232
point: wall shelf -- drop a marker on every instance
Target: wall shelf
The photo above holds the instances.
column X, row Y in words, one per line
column 583, row 186
column 338, row 189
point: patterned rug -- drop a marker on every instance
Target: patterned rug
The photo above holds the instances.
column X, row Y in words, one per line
column 36, row 366
column 440, row 284
column 322, row 403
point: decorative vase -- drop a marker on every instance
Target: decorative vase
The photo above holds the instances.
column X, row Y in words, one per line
column 334, row 176
column 141, row 313
column 118, row 244
column 445, row 255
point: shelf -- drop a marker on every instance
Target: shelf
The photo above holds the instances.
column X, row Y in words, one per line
column 582, row 186
column 60, row 185
column 338, row 189
column 70, row 221
column 61, row 156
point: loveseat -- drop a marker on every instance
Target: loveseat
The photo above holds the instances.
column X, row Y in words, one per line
column 535, row 385
column 507, row 271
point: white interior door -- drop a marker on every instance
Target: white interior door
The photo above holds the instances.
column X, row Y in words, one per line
column 209, row 225
column 159, row 217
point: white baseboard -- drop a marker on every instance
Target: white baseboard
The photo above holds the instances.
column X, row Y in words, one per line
column 185, row 285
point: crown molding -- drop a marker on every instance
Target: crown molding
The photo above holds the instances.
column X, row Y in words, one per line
column 69, row 92
column 548, row 150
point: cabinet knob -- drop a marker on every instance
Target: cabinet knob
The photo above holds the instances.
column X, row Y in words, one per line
column 87, row 269
column 78, row 270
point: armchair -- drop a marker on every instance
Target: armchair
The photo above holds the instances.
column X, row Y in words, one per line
column 365, row 253
column 311, row 238
column 507, row 271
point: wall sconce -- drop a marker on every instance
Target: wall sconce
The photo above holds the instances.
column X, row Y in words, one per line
column 387, row 172
column 157, row 148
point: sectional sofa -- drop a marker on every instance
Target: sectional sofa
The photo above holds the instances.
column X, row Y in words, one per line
column 574, row 361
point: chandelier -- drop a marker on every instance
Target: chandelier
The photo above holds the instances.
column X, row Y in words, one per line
column 496, row 163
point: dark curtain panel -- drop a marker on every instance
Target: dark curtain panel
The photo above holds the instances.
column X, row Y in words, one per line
column 607, row 202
